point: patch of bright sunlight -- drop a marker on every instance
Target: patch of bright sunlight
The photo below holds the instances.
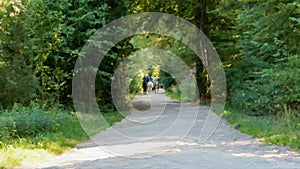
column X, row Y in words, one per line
column 236, row 143
column 11, row 156
column 244, row 154
column 225, row 113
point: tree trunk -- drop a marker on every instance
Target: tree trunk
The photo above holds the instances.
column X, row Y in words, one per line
column 201, row 21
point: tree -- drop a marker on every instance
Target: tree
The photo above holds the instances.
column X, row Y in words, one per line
column 262, row 76
column 40, row 42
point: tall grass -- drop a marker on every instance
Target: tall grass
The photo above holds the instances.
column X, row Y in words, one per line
column 282, row 129
column 26, row 136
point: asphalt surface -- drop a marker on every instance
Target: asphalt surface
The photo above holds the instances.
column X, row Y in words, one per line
column 166, row 134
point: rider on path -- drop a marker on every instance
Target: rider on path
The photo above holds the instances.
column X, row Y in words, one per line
column 144, row 83
column 150, row 79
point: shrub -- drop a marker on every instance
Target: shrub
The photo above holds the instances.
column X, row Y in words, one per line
column 29, row 121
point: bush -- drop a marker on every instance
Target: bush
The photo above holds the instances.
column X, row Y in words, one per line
column 29, row 121
column 269, row 91
column 255, row 99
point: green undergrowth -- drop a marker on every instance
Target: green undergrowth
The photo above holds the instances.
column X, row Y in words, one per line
column 172, row 95
column 177, row 96
column 282, row 129
column 31, row 134
column 184, row 93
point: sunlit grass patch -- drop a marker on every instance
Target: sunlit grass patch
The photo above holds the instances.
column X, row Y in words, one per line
column 12, row 156
column 34, row 147
column 282, row 130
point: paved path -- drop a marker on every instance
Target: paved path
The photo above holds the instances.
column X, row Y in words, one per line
column 166, row 136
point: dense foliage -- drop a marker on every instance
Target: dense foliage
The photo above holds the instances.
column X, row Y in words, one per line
column 263, row 75
column 40, row 42
column 258, row 42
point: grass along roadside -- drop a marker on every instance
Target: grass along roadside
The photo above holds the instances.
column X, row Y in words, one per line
column 34, row 147
column 282, row 130
column 177, row 96
column 172, row 95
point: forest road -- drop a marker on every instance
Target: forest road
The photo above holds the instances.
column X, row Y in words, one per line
column 166, row 134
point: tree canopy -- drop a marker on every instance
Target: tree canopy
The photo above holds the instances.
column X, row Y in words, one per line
column 257, row 41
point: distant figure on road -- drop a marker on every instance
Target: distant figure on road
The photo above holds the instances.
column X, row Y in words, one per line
column 144, row 84
column 149, row 84
column 150, row 79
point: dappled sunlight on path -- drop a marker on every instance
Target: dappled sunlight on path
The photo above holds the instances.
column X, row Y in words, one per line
column 166, row 135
